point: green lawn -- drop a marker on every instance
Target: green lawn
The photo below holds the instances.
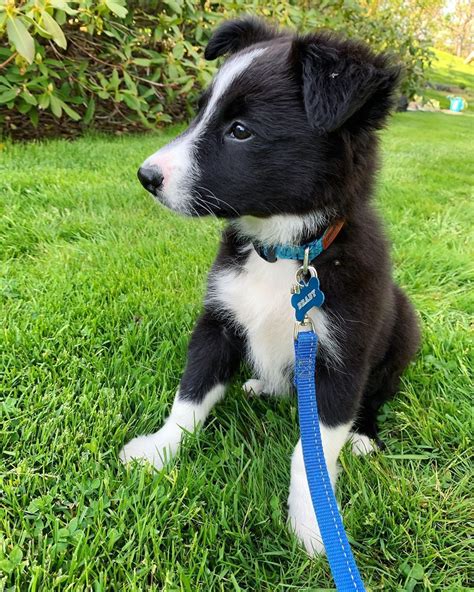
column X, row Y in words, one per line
column 100, row 288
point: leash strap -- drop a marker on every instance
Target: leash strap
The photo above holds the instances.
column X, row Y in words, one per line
column 339, row 554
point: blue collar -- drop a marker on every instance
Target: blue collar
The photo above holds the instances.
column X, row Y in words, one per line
column 297, row 252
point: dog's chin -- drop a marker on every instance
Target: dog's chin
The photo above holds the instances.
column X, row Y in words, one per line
column 206, row 208
column 201, row 208
column 185, row 205
column 180, row 206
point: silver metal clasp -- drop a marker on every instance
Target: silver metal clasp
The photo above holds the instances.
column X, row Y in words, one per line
column 302, row 273
column 305, row 325
column 302, row 279
column 306, row 261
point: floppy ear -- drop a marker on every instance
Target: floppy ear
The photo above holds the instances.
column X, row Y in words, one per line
column 344, row 82
column 234, row 35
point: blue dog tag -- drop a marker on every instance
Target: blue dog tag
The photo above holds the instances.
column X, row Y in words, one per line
column 309, row 296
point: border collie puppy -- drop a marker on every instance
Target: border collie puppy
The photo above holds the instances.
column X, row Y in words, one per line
column 284, row 146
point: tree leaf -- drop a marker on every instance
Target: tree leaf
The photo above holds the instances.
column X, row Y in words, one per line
column 23, row 107
column 34, row 117
column 142, row 62
column 117, row 8
column 74, row 115
column 54, row 29
column 131, row 101
column 43, row 102
column 28, row 97
column 114, row 80
column 8, row 95
column 178, row 51
column 62, row 5
column 89, row 112
column 21, row 39
column 56, row 106
column 129, row 82
column 175, row 6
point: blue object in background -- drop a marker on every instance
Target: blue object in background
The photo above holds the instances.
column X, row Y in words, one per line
column 457, row 104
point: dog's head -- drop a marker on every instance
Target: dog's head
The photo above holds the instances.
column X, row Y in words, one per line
column 280, row 129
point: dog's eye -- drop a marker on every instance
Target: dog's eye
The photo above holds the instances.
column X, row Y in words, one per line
column 238, row 131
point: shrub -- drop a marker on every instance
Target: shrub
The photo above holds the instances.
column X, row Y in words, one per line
column 117, row 65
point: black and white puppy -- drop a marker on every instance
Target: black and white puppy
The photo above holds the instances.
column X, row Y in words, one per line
column 284, row 144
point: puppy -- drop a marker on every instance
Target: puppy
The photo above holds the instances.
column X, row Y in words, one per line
column 284, row 146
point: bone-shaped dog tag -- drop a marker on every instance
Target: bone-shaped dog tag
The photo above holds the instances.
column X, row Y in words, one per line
column 308, row 297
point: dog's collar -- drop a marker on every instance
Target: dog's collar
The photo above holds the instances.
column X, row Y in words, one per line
column 297, row 252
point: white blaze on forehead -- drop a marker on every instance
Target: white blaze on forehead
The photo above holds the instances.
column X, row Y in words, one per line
column 226, row 75
column 177, row 160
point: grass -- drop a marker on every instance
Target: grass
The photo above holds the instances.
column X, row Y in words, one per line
column 100, row 288
column 450, row 70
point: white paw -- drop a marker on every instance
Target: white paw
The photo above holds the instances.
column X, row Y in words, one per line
column 156, row 449
column 361, row 444
column 305, row 527
column 254, row 387
column 301, row 517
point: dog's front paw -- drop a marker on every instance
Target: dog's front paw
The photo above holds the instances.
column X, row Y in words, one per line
column 303, row 524
column 361, row 444
column 301, row 517
column 254, row 387
column 156, row 449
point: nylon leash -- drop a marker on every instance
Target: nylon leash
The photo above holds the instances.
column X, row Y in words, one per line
column 307, row 295
column 338, row 551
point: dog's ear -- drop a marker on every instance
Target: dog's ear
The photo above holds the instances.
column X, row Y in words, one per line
column 234, row 35
column 343, row 82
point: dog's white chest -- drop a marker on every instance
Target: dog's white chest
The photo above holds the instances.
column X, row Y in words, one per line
column 258, row 297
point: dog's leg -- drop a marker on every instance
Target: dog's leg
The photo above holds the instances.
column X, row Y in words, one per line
column 185, row 416
column 301, row 516
column 214, row 355
column 339, row 394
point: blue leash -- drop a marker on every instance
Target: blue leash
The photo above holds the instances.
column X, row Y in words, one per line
column 306, row 294
column 339, row 554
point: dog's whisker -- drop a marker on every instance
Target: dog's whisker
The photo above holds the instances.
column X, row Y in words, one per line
column 212, row 195
column 202, row 202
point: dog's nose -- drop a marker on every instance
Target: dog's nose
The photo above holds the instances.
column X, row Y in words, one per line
column 151, row 178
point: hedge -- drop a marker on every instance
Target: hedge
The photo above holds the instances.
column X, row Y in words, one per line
column 68, row 65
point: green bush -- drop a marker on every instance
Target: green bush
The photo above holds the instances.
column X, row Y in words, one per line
column 118, row 65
